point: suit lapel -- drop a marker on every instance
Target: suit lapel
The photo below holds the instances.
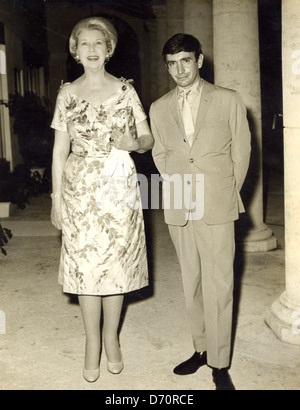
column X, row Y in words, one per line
column 206, row 99
column 177, row 128
column 174, row 108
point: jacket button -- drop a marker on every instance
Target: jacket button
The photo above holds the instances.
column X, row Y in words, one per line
column 191, row 160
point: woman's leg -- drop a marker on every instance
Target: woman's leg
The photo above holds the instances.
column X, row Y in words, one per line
column 112, row 307
column 91, row 314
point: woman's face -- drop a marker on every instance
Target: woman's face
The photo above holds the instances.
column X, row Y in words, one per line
column 92, row 48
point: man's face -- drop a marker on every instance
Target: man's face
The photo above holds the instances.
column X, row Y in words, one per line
column 183, row 68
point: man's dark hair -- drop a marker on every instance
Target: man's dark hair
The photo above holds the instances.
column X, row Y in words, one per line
column 182, row 42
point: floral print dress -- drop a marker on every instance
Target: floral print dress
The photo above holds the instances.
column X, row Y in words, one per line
column 103, row 240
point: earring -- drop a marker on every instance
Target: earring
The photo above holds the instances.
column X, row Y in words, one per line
column 77, row 59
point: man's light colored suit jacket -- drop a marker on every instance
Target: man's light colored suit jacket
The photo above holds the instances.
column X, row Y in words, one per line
column 220, row 151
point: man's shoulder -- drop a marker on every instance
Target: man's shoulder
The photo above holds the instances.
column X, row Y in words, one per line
column 223, row 95
column 226, row 93
column 163, row 99
column 221, row 89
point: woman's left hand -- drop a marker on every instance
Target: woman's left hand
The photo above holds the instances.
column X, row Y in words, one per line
column 124, row 141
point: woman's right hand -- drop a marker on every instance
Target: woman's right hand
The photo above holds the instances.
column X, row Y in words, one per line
column 124, row 140
column 56, row 212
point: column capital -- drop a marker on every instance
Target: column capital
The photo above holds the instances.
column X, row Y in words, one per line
column 160, row 11
column 228, row 6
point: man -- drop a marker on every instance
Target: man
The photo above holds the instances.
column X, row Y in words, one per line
column 201, row 129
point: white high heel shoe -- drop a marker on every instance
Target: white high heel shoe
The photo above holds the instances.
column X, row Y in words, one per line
column 115, row 368
column 91, row 375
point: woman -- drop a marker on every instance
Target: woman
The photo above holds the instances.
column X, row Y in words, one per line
column 95, row 195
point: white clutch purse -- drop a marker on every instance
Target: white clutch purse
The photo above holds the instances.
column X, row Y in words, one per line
column 119, row 163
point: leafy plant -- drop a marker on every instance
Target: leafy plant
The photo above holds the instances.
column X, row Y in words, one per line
column 17, row 186
column 5, row 235
column 32, row 125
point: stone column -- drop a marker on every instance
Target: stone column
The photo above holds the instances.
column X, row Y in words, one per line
column 283, row 317
column 159, row 36
column 175, row 17
column 236, row 66
column 198, row 22
column 5, row 126
column 175, row 24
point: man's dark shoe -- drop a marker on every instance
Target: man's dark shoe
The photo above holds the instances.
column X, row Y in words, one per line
column 222, row 379
column 191, row 365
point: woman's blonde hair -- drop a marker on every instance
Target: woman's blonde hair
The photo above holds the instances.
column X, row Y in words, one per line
column 94, row 23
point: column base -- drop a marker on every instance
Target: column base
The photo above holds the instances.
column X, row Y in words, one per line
column 259, row 239
column 283, row 318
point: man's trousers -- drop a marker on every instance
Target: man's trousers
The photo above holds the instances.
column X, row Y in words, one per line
column 206, row 257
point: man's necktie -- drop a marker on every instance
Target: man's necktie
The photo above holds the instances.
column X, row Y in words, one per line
column 187, row 118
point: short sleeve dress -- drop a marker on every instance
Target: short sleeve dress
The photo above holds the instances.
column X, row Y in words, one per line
column 103, row 239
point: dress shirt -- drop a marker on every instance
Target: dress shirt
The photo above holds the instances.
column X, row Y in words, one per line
column 193, row 98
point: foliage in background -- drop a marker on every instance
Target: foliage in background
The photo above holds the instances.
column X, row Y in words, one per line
column 5, row 235
column 32, row 125
column 17, row 186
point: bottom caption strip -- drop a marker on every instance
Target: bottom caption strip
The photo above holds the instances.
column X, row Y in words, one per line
column 148, row 399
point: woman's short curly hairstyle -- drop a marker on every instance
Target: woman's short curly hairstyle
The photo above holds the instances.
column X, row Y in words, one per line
column 94, row 23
